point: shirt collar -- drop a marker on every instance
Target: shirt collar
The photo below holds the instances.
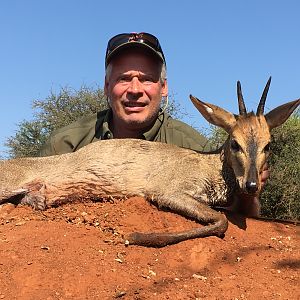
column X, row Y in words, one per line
column 102, row 131
column 152, row 132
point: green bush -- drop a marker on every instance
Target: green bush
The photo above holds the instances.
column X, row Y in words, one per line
column 281, row 196
column 57, row 110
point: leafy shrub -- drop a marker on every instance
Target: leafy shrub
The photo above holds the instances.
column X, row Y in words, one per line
column 57, row 110
column 281, row 196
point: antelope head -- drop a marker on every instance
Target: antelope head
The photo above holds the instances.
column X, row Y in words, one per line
column 248, row 145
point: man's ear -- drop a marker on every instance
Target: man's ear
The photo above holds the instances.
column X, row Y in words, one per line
column 165, row 89
column 105, row 86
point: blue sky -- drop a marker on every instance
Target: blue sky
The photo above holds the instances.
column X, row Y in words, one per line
column 209, row 45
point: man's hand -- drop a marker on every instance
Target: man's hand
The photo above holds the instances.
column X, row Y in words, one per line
column 265, row 174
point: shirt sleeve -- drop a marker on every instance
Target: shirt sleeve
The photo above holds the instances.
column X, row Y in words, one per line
column 70, row 138
column 47, row 149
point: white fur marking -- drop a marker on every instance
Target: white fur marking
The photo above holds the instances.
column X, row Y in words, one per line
column 209, row 110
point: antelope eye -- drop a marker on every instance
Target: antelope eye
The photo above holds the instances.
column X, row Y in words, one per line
column 267, row 148
column 235, row 146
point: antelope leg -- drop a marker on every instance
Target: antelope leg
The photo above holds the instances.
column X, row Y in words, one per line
column 216, row 225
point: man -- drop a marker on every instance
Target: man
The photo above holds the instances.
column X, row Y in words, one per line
column 135, row 84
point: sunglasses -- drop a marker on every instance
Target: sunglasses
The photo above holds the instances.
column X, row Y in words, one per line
column 142, row 37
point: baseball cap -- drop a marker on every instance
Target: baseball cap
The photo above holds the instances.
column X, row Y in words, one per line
column 126, row 40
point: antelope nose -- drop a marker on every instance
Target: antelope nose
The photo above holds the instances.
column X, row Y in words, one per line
column 251, row 187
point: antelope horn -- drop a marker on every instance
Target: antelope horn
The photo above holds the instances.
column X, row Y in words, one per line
column 261, row 105
column 242, row 107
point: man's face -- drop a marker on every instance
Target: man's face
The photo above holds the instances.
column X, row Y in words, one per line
column 134, row 89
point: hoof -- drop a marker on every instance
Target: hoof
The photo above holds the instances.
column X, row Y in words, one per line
column 36, row 201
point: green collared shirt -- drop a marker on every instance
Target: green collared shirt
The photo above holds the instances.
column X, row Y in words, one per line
column 96, row 127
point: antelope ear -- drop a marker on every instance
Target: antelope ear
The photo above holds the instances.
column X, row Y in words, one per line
column 214, row 114
column 280, row 114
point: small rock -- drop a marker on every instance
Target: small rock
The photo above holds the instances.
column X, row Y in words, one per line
column 120, row 294
column 199, row 277
column 152, row 273
column 45, row 248
column 20, row 223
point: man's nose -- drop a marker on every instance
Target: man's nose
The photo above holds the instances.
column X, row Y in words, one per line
column 135, row 86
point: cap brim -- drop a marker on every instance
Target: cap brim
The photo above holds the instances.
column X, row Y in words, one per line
column 132, row 44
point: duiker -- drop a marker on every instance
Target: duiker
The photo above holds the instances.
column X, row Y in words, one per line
column 183, row 181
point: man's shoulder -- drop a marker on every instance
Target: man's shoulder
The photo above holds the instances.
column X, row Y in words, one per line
column 184, row 135
column 81, row 124
column 181, row 128
column 73, row 136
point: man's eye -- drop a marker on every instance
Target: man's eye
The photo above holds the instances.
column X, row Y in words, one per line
column 124, row 79
column 148, row 80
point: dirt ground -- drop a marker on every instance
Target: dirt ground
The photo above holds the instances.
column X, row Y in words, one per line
column 72, row 252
